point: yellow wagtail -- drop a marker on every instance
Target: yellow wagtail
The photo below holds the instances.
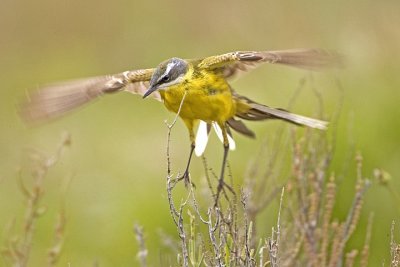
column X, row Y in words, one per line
column 197, row 89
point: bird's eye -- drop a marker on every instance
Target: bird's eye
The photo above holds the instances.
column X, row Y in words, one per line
column 165, row 78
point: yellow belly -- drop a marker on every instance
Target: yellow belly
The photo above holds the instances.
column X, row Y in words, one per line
column 207, row 99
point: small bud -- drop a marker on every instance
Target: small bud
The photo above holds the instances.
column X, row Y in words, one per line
column 40, row 211
column 382, row 176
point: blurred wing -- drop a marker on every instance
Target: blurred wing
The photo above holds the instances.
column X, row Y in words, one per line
column 55, row 100
column 236, row 62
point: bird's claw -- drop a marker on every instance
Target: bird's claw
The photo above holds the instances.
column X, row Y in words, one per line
column 220, row 188
column 186, row 179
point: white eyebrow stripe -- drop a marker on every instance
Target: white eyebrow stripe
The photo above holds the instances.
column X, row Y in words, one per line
column 169, row 67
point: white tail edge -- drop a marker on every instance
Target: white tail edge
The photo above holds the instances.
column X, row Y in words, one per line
column 201, row 139
column 203, row 135
column 218, row 131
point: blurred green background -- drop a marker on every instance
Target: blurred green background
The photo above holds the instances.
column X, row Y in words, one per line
column 117, row 158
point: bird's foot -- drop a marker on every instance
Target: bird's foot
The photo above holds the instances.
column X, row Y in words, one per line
column 186, row 179
column 221, row 188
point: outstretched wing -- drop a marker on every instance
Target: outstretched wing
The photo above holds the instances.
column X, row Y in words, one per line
column 55, row 100
column 241, row 61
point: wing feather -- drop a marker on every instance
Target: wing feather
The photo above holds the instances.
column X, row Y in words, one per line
column 55, row 100
column 242, row 61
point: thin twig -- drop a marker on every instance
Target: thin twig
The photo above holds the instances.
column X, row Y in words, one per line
column 176, row 215
column 366, row 248
column 273, row 244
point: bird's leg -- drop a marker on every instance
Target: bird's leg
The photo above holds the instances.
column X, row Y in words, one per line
column 186, row 177
column 221, row 182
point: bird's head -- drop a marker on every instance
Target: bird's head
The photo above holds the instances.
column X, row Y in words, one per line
column 168, row 73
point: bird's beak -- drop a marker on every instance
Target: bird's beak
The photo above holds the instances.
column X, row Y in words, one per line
column 151, row 89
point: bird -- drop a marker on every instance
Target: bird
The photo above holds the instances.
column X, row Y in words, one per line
column 197, row 90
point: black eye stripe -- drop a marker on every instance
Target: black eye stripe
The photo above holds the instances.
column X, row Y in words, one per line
column 169, row 71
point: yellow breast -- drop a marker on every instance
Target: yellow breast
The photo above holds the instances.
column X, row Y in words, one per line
column 208, row 97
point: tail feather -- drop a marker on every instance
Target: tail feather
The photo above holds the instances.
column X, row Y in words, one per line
column 253, row 111
column 240, row 127
column 202, row 135
column 218, row 131
column 201, row 138
column 287, row 116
